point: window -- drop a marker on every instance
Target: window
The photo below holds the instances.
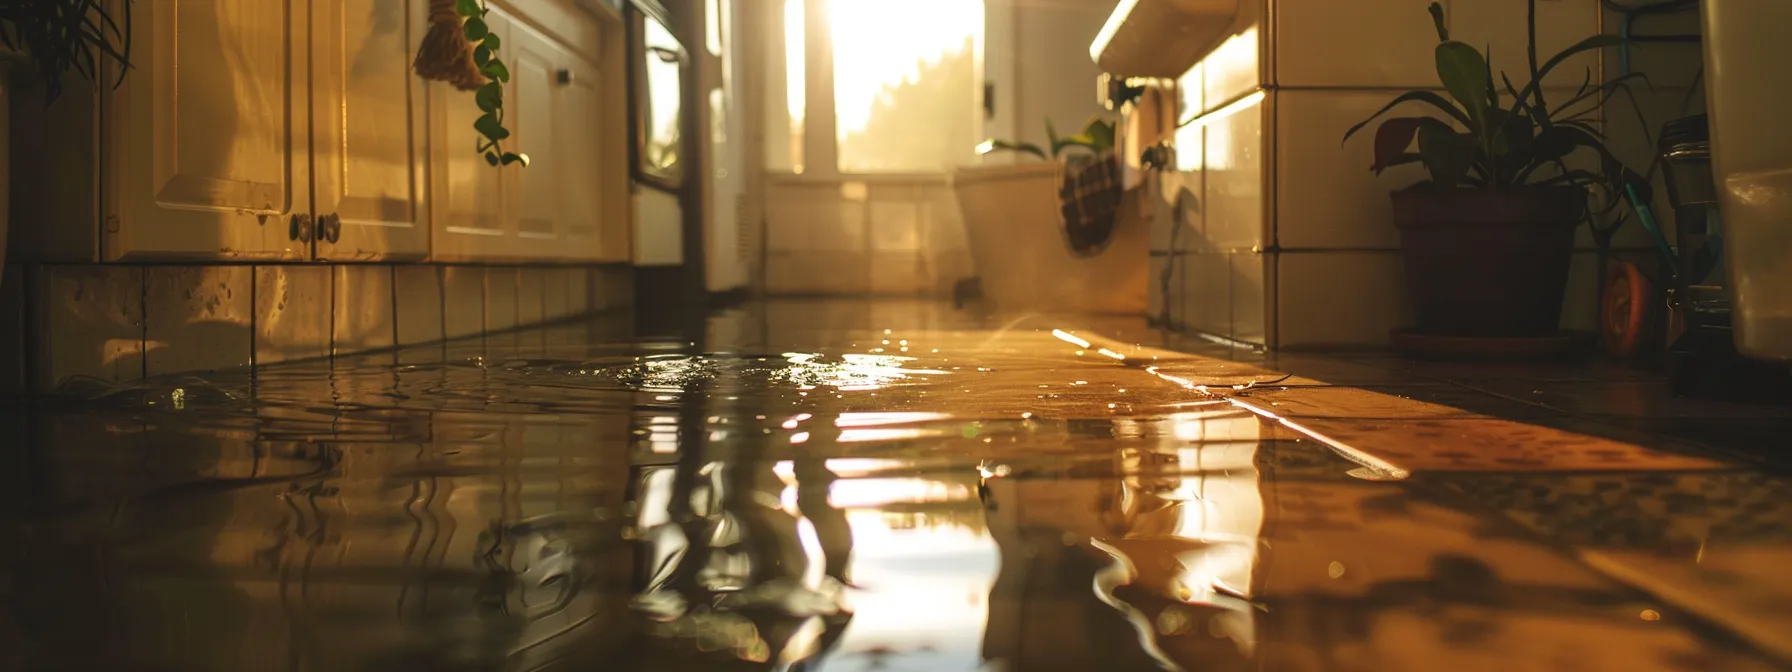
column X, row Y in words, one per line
column 906, row 85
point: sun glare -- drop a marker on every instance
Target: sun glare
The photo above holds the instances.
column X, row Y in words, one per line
column 881, row 43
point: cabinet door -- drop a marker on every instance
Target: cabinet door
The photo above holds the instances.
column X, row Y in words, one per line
column 579, row 126
column 205, row 156
column 369, row 135
column 469, row 222
column 531, row 114
column 560, row 121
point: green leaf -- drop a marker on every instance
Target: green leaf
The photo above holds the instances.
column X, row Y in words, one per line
column 1463, row 72
column 481, row 56
column 492, row 42
column 476, row 30
column 1051, row 136
column 1447, row 154
column 1395, row 136
column 1010, row 146
column 1437, row 19
column 1100, row 134
column 513, row 157
column 1534, row 88
column 492, row 157
column 489, row 126
column 468, row 8
column 497, row 71
column 489, row 97
column 1412, row 96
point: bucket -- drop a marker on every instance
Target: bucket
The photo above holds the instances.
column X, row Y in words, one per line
column 1024, row 264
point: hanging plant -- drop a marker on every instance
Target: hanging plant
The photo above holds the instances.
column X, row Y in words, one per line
column 489, row 97
column 461, row 49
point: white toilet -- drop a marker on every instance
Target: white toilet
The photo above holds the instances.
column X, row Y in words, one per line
column 1749, row 92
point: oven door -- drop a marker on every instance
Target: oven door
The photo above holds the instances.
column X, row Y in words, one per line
column 656, row 73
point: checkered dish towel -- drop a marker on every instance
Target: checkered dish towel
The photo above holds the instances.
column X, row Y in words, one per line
column 1089, row 194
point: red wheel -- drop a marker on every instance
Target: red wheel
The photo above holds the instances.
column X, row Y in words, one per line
column 1627, row 310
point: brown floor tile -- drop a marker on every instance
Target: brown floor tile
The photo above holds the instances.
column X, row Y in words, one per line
column 1489, row 444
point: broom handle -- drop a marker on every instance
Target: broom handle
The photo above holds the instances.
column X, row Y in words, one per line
column 442, row 11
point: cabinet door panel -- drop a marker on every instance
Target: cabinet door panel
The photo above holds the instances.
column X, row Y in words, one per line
column 207, row 159
column 369, row 137
column 579, row 125
column 534, row 65
column 469, row 203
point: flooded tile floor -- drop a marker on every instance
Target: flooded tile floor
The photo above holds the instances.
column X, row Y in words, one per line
column 891, row 486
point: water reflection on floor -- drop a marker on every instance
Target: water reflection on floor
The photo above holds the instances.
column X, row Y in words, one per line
column 799, row 486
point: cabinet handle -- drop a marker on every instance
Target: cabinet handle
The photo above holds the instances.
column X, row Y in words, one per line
column 564, row 76
column 299, row 228
column 329, row 228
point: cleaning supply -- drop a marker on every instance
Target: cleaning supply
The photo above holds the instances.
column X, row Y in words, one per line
column 446, row 54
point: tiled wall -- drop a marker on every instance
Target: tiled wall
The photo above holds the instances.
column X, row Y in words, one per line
column 884, row 236
column 120, row 323
column 1286, row 240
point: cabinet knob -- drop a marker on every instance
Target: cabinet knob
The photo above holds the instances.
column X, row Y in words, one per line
column 329, row 228
column 564, row 76
column 299, row 228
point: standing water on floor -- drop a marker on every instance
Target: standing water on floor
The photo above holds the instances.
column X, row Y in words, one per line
column 796, row 486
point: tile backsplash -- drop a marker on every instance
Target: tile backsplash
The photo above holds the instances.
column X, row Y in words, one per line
column 114, row 323
column 1288, row 240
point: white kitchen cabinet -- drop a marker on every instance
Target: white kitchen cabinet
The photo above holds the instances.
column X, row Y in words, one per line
column 469, row 218
column 566, row 111
column 370, row 160
column 246, row 128
column 207, row 156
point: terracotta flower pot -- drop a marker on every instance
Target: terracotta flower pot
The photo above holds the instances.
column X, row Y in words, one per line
column 1488, row 262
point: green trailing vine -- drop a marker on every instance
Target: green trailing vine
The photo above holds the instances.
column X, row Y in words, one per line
column 490, row 96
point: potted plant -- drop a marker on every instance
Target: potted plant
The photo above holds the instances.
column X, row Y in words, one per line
column 1017, row 238
column 55, row 37
column 1488, row 237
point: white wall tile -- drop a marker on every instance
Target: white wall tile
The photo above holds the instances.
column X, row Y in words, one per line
column 898, row 273
column 91, row 322
column 292, row 312
column 1250, row 296
column 1580, row 306
column 1668, row 64
column 1363, row 43
column 13, row 323
column 813, row 217
column 531, row 295
column 578, row 291
column 818, row 273
column 1340, row 298
column 1234, row 174
column 556, row 303
column 1235, row 66
column 197, row 318
column 1326, row 195
column 463, row 301
column 1207, row 293
column 419, row 298
column 1154, row 290
column 365, row 313
column 501, row 299
column 1497, row 27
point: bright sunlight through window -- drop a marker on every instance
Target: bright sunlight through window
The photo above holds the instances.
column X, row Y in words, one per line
column 905, row 83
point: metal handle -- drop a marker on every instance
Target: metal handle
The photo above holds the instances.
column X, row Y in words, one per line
column 299, row 228
column 564, row 76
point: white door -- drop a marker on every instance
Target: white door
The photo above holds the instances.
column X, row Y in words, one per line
column 207, row 159
column 370, row 139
